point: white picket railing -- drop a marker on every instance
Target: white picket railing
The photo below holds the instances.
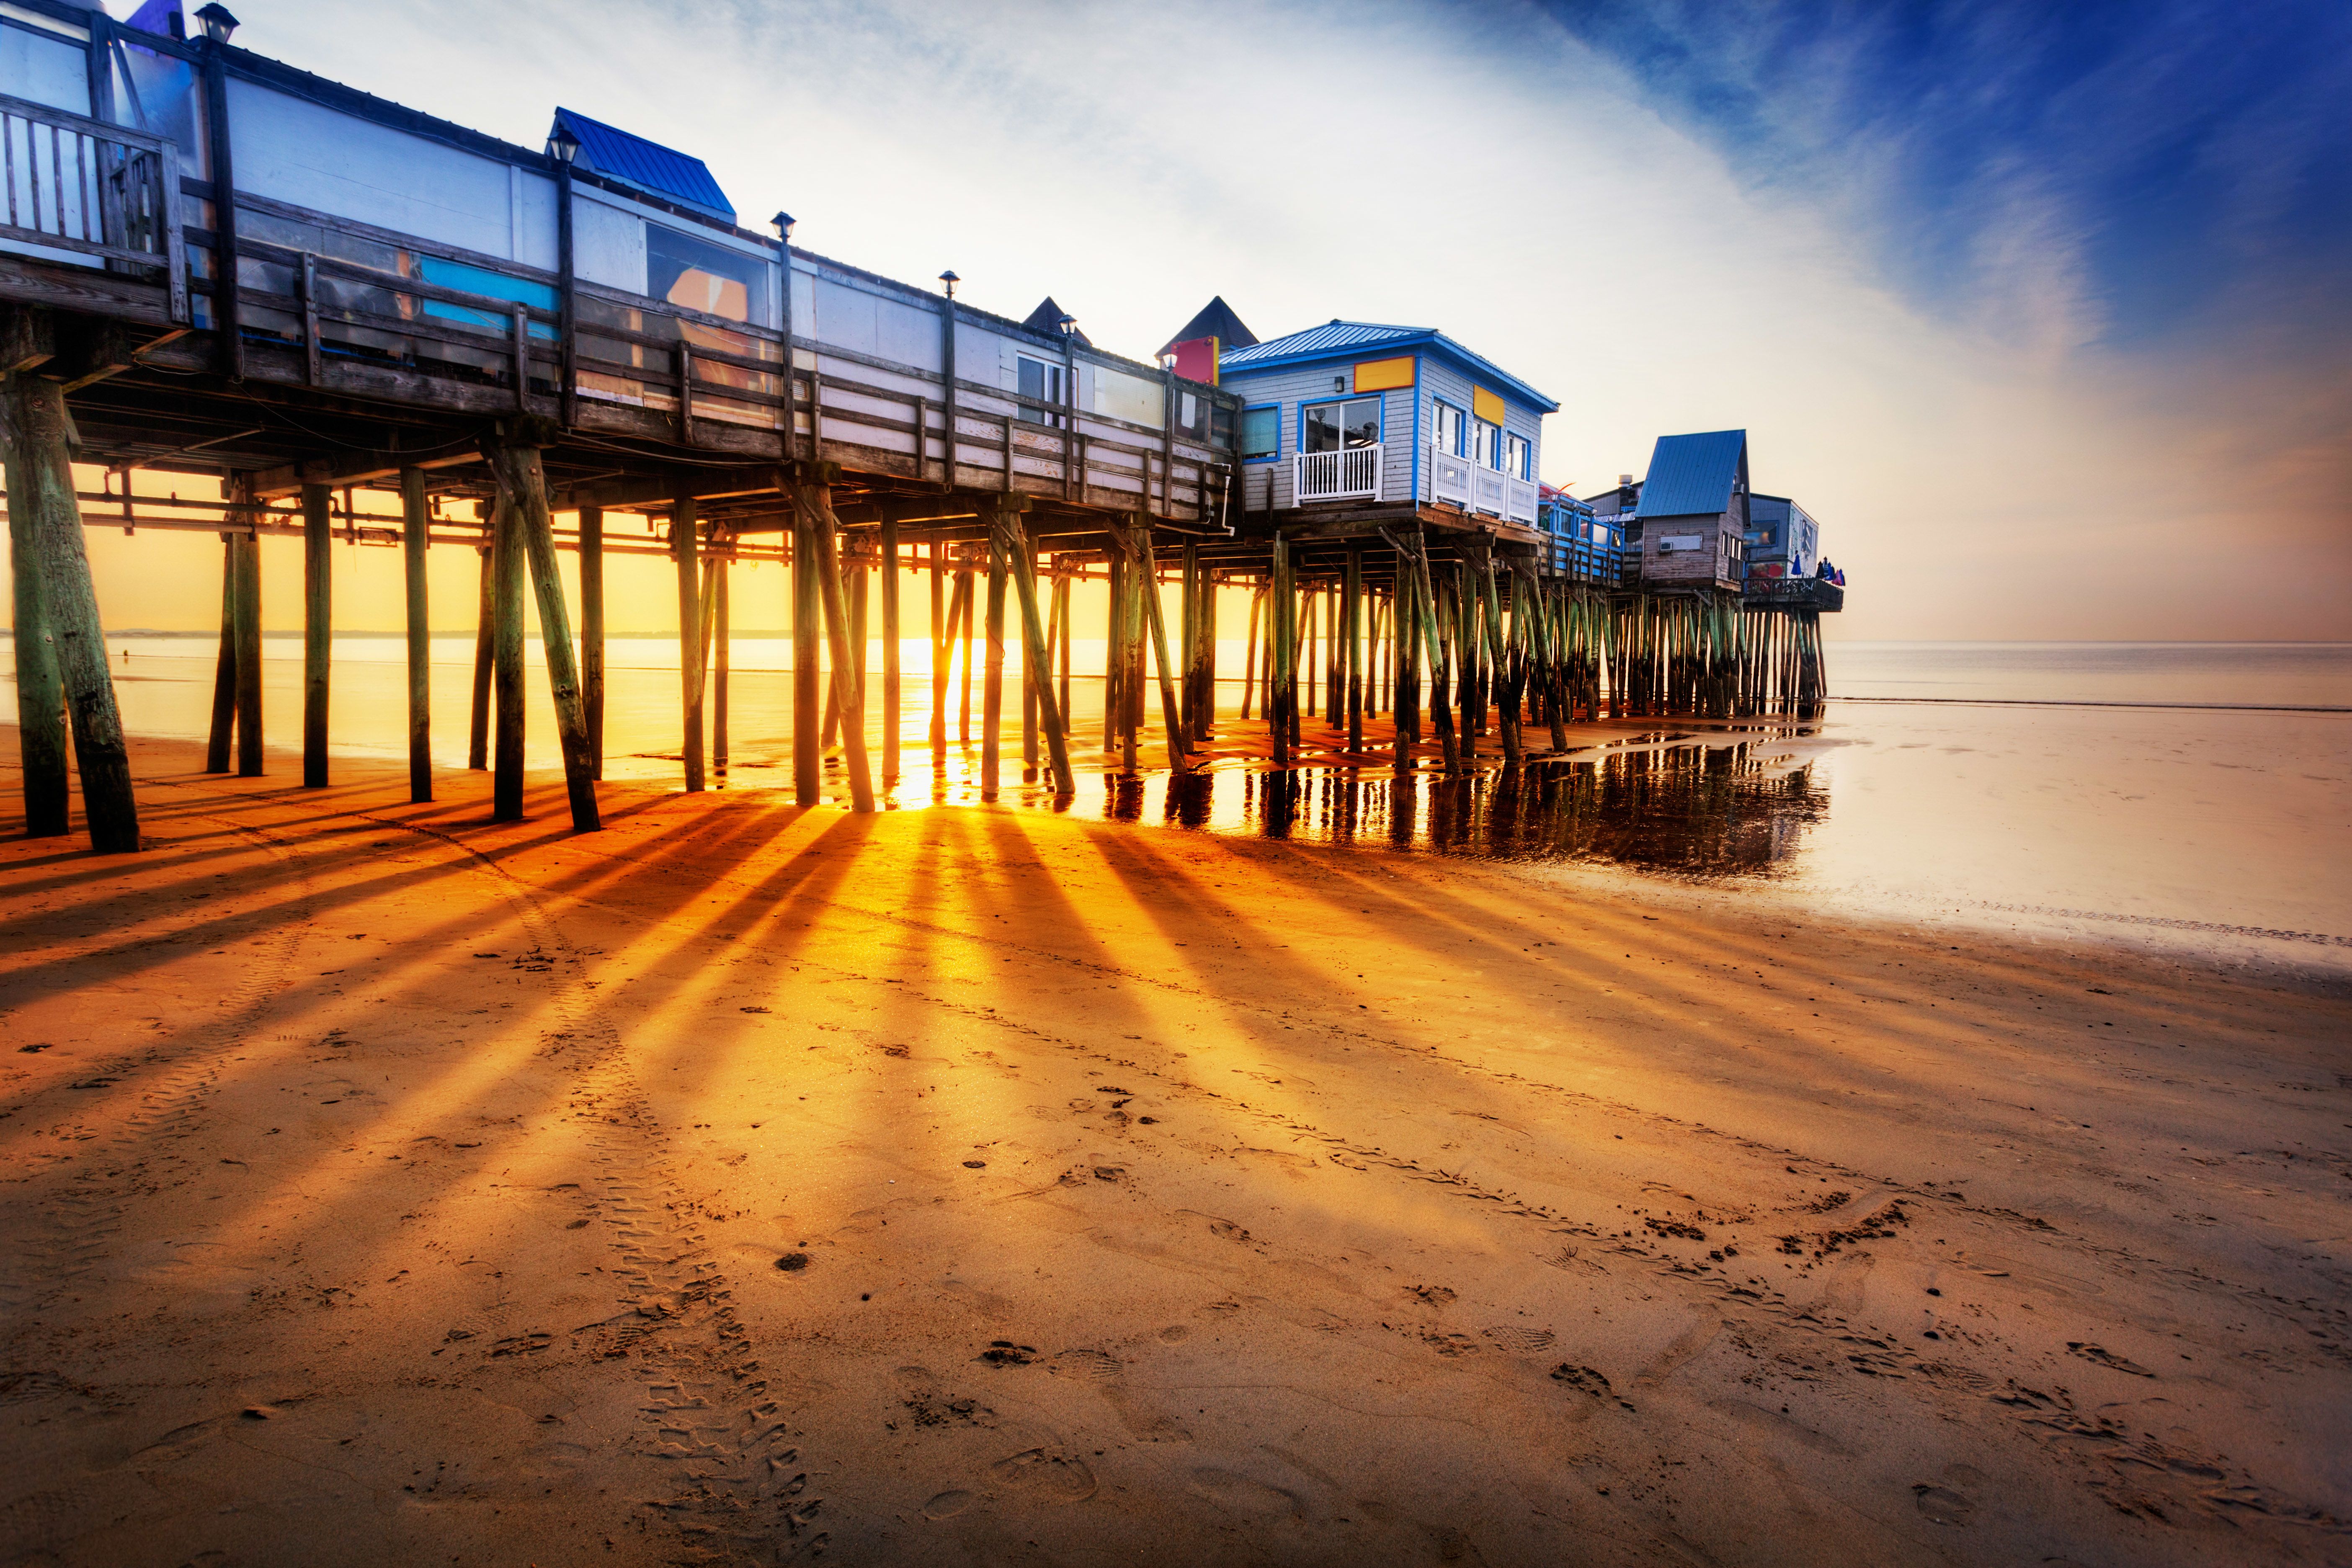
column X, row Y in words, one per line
column 1353, row 474
column 1520, row 500
column 1449, row 477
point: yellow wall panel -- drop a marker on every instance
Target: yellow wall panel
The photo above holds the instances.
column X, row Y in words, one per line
column 1485, row 405
column 1381, row 374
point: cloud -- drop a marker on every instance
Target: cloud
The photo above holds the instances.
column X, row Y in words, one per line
column 1885, row 245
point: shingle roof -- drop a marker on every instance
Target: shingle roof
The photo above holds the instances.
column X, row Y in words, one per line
column 1341, row 337
column 618, row 155
column 1693, row 475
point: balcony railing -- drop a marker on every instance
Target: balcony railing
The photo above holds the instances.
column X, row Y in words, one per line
column 93, row 190
column 1353, row 474
column 1459, row 479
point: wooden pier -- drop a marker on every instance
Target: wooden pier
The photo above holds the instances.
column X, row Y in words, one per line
column 561, row 344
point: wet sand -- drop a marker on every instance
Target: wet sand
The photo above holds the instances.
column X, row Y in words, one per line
column 385, row 1186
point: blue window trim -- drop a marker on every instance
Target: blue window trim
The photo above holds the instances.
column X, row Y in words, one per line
column 1458, row 409
column 1246, row 410
column 1305, row 404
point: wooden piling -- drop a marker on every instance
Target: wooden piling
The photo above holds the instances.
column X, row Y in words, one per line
column 1036, row 662
column 815, row 501
column 721, row 658
column 890, row 661
column 507, row 570
column 416, row 522
column 41, row 486
column 992, row 719
column 478, row 718
column 965, row 595
column 592, row 633
column 1061, row 611
column 939, row 645
column 40, row 684
column 1171, row 715
column 1351, row 637
column 245, row 550
column 217, row 745
column 528, row 526
column 318, row 628
column 808, row 625
column 685, row 524
column 1277, row 651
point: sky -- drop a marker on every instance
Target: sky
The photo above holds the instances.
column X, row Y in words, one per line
column 2041, row 310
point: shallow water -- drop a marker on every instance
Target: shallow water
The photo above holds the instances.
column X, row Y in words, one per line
column 2155, row 786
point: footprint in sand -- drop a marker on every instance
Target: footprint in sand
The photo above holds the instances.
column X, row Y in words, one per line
column 947, row 1505
column 1942, row 1504
column 1045, row 1476
column 1519, row 1337
column 1095, row 1366
column 1242, row 1494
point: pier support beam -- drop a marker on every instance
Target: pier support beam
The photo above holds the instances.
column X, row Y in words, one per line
column 815, row 503
column 224, row 726
column 245, row 556
column 40, row 689
column 685, row 523
column 506, row 657
column 992, row 691
column 317, row 627
column 1279, row 696
column 941, row 650
column 45, row 524
column 478, row 717
column 416, row 522
column 1011, row 537
column 592, row 633
column 890, row 671
column 808, row 625
column 522, row 486
column 715, row 583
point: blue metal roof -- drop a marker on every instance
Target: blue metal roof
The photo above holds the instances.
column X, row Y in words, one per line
column 1692, row 475
column 615, row 153
column 1338, row 339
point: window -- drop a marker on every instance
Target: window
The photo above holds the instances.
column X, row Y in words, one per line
column 1515, row 452
column 701, row 276
column 1446, row 428
column 1486, row 444
column 1261, row 434
column 1331, row 427
column 1047, row 383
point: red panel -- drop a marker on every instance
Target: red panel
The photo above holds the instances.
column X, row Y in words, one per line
column 1196, row 358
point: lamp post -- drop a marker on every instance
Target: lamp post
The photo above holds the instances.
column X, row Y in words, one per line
column 564, row 146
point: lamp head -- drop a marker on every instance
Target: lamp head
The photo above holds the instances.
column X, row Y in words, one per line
column 783, row 222
column 562, row 145
column 218, row 22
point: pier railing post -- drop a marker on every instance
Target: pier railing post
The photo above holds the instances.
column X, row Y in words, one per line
column 318, row 628
column 414, row 525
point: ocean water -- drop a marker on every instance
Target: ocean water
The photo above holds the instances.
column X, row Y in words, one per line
column 2193, row 792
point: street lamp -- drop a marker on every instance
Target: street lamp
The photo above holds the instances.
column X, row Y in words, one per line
column 218, row 23
column 783, row 222
column 562, row 145
column 948, row 281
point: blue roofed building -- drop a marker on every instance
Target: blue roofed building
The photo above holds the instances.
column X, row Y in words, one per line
column 1687, row 520
column 1399, row 419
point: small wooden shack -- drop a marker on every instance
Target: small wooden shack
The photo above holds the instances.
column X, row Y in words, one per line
column 1692, row 511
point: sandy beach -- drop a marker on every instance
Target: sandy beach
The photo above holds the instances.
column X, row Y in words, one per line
column 747, row 1184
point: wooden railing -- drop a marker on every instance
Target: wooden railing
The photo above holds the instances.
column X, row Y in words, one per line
column 647, row 369
column 83, row 186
